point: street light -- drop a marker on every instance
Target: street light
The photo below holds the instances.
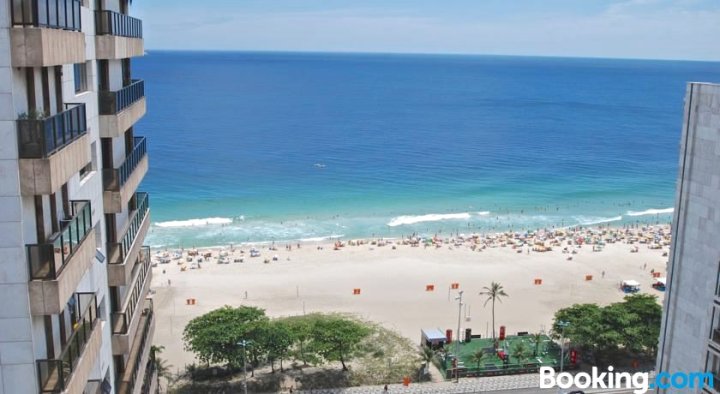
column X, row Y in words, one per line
column 457, row 343
column 562, row 325
column 244, row 345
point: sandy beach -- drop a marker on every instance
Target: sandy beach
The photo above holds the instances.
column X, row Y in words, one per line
column 393, row 277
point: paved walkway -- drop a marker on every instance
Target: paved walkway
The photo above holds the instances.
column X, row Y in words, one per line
column 465, row 386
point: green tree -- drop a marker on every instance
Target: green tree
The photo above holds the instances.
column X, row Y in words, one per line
column 427, row 355
column 494, row 292
column 644, row 334
column 537, row 340
column 301, row 328
column 630, row 326
column 277, row 340
column 521, row 352
column 214, row 336
column 479, row 357
column 337, row 338
column 161, row 366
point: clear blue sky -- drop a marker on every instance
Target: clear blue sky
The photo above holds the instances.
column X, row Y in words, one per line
column 660, row 29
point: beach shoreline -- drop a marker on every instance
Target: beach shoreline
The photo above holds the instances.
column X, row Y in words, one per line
column 393, row 278
column 331, row 239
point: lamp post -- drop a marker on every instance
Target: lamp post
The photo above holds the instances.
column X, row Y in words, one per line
column 244, row 345
column 562, row 325
column 457, row 343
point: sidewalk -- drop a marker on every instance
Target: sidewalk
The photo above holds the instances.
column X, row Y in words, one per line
column 466, row 386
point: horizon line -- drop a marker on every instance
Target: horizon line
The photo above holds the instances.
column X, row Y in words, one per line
column 460, row 54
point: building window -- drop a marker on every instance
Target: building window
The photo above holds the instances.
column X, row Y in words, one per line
column 80, row 70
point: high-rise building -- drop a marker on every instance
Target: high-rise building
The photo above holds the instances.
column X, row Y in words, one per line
column 74, row 275
column 690, row 332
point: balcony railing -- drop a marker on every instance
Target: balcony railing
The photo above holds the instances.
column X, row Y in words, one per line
column 55, row 14
column 149, row 375
column 116, row 24
column 112, row 103
column 55, row 374
column 115, row 178
column 47, row 260
column 121, row 320
column 118, row 251
column 40, row 138
column 128, row 379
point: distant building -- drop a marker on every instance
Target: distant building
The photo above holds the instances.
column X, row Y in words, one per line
column 74, row 274
column 690, row 332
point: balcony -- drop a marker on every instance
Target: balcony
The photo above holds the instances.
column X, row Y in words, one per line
column 125, row 323
column 121, row 183
column 121, row 109
column 133, row 378
column 51, row 149
column 46, row 33
column 149, row 382
column 123, row 255
column 118, row 36
column 58, row 265
column 69, row 372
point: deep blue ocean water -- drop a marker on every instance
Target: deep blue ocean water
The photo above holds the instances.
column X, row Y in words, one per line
column 279, row 146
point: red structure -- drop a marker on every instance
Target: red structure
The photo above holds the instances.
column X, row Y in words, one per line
column 448, row 336
column 502, row 333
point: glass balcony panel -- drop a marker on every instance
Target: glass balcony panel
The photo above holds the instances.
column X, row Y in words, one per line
column 55, row 374
column 46, row 260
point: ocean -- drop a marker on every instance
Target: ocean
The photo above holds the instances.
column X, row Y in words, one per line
column 263, row 147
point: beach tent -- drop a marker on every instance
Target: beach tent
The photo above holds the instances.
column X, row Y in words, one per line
column 660, row 284
column 432, row 337
column 630, row 286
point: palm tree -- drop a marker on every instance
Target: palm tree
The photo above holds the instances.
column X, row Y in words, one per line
column 427, row 354
column 493, row 293
column 537, row 339
column 161, row 366
column 478, row 357
column 521, row 352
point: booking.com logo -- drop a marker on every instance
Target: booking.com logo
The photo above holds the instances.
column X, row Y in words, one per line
column 639, row 382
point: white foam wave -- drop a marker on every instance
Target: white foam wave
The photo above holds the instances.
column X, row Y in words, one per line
column 320, row 239
column 483, row 213
column 650, row 212
column 590, row 221
column 194, row 222
column 433, row 217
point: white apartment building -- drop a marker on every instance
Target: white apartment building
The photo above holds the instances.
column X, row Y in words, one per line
column 74, row 275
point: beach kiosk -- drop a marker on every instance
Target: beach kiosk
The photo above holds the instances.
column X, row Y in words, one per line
column 432, row 338
column 630, row 286
column 659, row 284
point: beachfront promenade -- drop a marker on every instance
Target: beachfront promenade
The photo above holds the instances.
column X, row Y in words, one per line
column 516, row 384
column 528, row 383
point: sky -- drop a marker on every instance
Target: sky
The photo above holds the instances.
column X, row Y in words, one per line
column 654, row 29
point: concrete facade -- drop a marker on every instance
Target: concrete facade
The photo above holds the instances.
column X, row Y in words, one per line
column 37, row 47
column 113, row 47
column 113, row 126
column 44, row 70
column 692, row 302
column 46, row 176
column 115, row 201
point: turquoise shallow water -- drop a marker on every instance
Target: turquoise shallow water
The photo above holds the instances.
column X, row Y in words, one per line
column 279, row 146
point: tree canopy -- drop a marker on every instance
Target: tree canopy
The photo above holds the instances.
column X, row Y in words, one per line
column 632, row 325
column 214, row 336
